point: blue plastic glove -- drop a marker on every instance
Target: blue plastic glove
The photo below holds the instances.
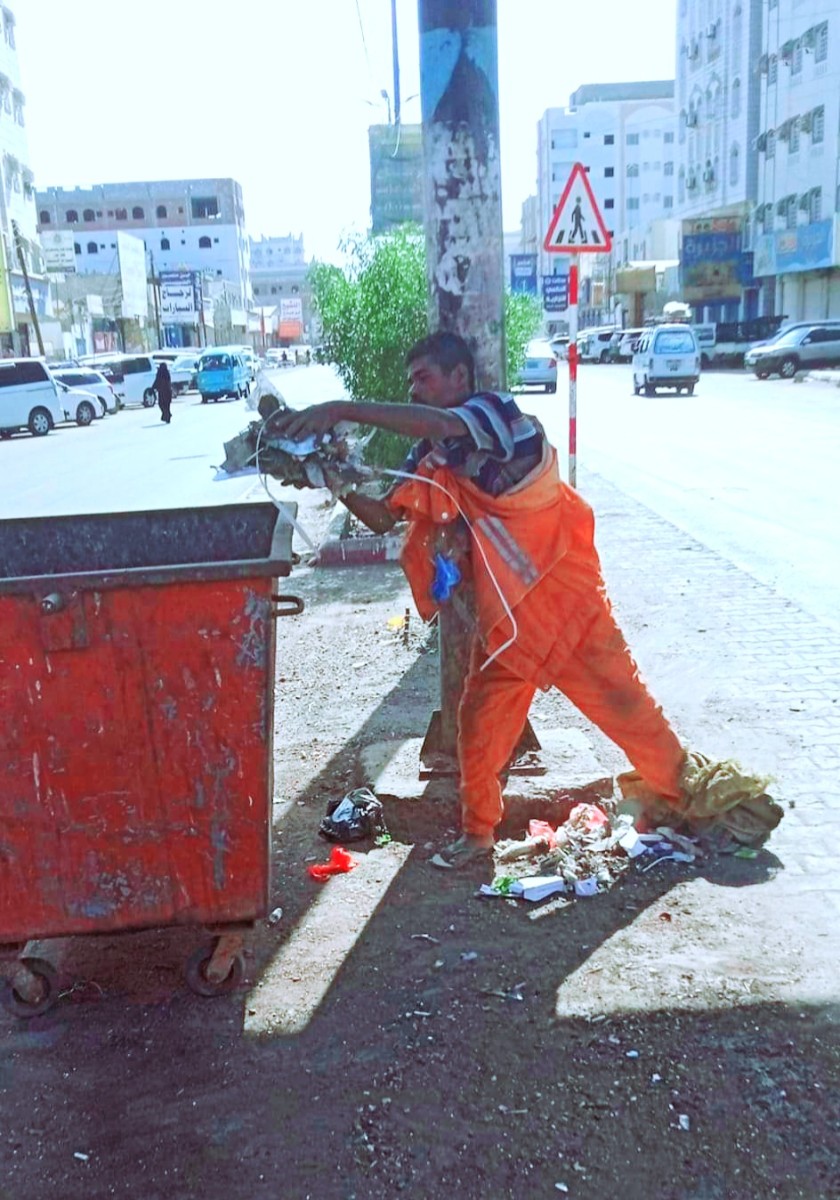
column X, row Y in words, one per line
column 447, row 577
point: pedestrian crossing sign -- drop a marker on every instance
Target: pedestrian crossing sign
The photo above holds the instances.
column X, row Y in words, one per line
column 577, row 226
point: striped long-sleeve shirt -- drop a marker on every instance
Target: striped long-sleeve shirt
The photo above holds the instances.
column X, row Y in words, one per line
column 500, row 445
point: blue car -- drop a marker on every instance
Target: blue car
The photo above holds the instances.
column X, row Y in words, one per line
column 222, row 373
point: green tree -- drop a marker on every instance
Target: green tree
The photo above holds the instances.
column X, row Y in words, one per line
column 375, row 308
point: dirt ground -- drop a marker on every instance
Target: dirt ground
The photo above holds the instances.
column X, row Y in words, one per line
column 397, row 1035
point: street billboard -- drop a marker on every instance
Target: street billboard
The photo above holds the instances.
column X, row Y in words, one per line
column 58, row 248
column 179, row 302
column 710, row 258
column 523, row 274
column 132, row 258
column 555, row 293
column 806, row 248
column 290, row 328
column 635, row 280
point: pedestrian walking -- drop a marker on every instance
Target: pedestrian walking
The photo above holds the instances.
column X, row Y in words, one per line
column 543, row 618
column 163, row 391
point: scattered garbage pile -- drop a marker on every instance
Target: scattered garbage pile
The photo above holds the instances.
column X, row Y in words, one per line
column 332, row 461
column 586, row 854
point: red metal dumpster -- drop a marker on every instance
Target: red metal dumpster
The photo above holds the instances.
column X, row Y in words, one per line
column 136, row 721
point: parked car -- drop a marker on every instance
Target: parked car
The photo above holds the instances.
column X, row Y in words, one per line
column 250, row 359
column 560, row 346
column 539, row 368
column 222, row 373
column 89, row 381
column 79, row 406
column 666, row 356
column 624, row 345
column 29, row 397
column 183, row 372
column 795, row 349
column 594, row 344
column 132, row 376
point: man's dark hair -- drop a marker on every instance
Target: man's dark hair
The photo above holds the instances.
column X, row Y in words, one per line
column 447, row 351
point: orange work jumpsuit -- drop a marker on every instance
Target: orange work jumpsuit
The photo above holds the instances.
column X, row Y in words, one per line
column 537, row 540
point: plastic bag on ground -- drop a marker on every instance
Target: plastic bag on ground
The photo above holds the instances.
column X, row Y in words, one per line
column 354, row 817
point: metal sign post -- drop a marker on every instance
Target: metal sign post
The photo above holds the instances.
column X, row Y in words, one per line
column 573, row 363
column 576, row 228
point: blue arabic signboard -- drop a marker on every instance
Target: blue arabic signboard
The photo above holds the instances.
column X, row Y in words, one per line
column 710, row 259
column 523, row 274
column 555, row 293
column 806, row 248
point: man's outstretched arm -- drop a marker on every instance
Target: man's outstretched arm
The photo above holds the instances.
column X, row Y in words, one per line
column 411, row 420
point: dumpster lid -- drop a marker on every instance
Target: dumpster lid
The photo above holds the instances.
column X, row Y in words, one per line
column 109, row 550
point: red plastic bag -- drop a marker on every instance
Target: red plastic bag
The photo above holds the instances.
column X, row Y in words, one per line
column 339, row 863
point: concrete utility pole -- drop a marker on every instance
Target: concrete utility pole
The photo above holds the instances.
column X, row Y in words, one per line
column 32, row 311
column 459, row 88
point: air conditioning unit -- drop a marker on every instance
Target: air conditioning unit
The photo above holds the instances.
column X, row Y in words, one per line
column 809, row 39
column 805, row 202
column 691, row 181
column 761, row 143
column 691, row 119
column 709, row 175
column 807, row 122
column 783, row 132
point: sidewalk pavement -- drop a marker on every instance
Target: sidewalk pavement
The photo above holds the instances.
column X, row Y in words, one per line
column 744, row 673
column 741, row 670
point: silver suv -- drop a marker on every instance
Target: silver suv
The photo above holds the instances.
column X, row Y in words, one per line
column 799, row 349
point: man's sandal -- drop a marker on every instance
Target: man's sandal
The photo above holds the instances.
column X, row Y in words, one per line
column 462, row 853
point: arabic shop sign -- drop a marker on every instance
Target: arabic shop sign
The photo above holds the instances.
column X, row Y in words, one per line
column 710, row 258
column 179, row 298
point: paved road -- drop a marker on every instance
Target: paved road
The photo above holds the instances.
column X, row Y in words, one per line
column 131, row 461
column 747, row 468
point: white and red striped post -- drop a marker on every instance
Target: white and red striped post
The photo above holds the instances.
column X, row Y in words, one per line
column 573, row 363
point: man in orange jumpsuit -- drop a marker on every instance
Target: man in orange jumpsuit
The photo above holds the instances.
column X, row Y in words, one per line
column 542, row 615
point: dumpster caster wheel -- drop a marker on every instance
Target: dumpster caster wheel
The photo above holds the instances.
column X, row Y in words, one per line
column 40, row 996
column 200, row 982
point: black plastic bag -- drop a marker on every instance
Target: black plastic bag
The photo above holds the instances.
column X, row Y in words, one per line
column 354, row 817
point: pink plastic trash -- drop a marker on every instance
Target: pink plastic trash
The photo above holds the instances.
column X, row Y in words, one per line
column 587, row 817
column 544, row 832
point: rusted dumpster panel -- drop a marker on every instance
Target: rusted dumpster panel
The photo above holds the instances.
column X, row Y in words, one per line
column 136, row 719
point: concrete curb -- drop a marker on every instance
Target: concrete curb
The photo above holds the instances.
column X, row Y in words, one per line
column 829, row 377
column 339, row 550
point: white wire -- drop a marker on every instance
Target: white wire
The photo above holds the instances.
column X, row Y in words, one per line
column 278, row 504
column 490, row 572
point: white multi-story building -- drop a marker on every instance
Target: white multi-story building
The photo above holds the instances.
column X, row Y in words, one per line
column 17, row 204
column 280, row 282
column 718, row 49
column 796, row 225
column 624, row 135
column 195, row 225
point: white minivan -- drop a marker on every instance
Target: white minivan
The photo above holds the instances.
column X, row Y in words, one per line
column 29, row 397
column 667, row 356
column 132, row 376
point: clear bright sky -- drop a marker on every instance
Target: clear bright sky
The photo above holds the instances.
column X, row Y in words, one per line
column 278, row 94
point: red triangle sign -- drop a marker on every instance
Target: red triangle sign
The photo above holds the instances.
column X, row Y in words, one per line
column 577, row 226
